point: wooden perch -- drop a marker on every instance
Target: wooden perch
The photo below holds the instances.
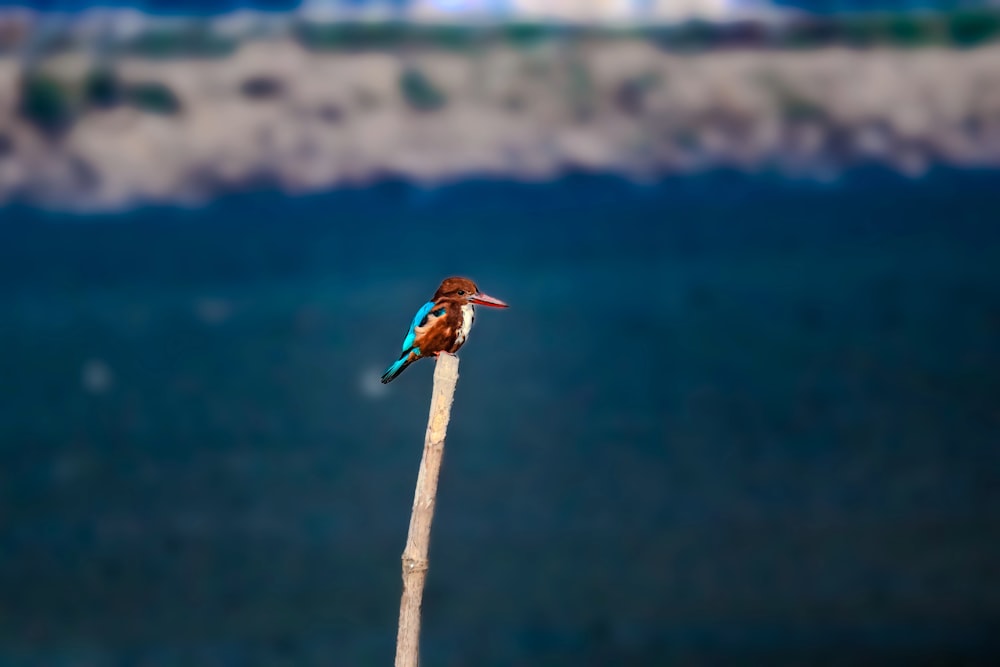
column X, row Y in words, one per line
column 418, row 539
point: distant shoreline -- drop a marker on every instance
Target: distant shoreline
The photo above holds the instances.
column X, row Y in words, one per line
column 79, row 135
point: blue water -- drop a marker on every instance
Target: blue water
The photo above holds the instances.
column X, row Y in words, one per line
column 728, row 419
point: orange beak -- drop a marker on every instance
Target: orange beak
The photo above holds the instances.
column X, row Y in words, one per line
column 486, row 300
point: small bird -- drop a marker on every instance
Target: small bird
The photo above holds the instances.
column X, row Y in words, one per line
column 442, row 324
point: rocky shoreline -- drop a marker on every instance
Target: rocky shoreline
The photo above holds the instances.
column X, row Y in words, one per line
column 75, row 135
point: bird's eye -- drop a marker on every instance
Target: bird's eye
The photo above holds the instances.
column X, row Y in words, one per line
column 461, row 292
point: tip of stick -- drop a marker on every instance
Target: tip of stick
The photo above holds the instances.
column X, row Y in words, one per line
column 447, row 362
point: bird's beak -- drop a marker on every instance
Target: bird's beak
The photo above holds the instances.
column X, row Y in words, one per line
column 486, row 300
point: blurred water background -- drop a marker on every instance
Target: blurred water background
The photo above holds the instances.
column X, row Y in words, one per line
column 743, row 409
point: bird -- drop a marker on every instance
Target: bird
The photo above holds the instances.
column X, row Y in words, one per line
column 442, row 324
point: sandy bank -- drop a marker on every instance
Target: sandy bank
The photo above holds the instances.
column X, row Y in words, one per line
column 276, row 113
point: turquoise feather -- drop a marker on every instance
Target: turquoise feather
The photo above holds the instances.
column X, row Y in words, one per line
column 418, row 320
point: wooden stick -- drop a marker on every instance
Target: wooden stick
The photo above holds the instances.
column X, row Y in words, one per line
column 418, row 539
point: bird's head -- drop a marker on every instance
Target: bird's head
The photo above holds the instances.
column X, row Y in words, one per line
column 465, row 291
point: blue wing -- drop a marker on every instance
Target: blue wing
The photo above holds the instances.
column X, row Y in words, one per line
column 417, row 321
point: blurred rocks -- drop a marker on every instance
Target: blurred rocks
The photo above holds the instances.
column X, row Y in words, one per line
column 76, row 133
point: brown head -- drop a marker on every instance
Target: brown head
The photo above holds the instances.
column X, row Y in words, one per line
column 464, row 290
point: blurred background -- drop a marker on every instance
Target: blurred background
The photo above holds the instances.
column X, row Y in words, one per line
column 744, row 409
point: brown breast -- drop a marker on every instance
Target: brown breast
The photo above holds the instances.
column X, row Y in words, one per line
column 439, row 333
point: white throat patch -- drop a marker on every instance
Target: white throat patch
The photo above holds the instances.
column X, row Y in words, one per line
column 468, row 316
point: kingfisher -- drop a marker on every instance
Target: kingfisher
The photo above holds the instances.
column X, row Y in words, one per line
column 442, row 324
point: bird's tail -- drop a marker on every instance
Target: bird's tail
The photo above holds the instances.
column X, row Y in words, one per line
column 407, row 358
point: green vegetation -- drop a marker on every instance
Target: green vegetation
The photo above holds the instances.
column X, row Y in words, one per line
column 962, row 28
column 453, row 38
column 524, row 35
column 193, row 40
column 899, row 30
column 974, row 28
column 355, row 36
column 46, row 102
column 152, row 97
column 420, row 92
column 101, row 88
column 395, row 34
column 906, row 30
column 52, row 104
column 691, row 37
